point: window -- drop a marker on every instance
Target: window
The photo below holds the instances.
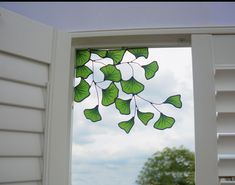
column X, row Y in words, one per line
column 202, row 87
column 101, row 150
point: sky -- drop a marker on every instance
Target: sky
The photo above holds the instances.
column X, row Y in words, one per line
column 102, row 153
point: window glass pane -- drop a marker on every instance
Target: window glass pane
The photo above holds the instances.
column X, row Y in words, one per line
column 104, row 154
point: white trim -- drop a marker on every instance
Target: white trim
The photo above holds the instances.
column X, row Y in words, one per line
column 57, row 154
column 204, row 111
column 203, row 69
column 155, row 31
column 149, row 37
column 116, row 41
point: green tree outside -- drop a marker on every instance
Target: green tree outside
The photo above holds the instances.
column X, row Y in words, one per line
column 171, row 166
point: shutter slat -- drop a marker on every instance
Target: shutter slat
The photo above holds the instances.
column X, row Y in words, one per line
column 225, row 101
column 23, row 70
column 20, row 169
column 20, row 144
column 224, row 80
column 21, row 119
column 22, row 95
column 226, row 145
column 226, row 167
column 226, row 123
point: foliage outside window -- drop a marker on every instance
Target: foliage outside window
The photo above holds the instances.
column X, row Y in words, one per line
column 171, row 166
column 111, row 94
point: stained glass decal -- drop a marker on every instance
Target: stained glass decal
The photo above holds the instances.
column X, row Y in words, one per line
column 110, row 89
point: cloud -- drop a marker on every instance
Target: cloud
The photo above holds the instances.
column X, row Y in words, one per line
column 103, row 153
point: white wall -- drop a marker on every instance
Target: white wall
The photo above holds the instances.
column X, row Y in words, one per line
column 84, row 16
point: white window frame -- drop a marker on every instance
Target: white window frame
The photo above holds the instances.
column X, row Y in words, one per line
column 200, row 41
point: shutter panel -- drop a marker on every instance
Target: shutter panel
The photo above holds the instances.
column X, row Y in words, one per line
column 28, row 64
column 205, row 112
column 218, row 51
column 224, row 62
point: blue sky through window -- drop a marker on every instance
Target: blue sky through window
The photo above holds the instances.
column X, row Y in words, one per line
column 103, row 154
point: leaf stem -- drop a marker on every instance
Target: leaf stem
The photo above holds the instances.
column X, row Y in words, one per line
column 136, row 107
column 98, row 86
column 95, row 61
column 93, row 81
column 136, row 63
column 155, row 108
column 100, row 81
column 93, row 74
column 97, row 94
column 143, row 99
column 132, row 61
column 132, row 69
column 149, row 102
column 157, row 103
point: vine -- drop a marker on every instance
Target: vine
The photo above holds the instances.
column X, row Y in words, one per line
column 110, row 95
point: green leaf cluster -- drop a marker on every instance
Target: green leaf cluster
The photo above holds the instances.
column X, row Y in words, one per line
column 110, row 94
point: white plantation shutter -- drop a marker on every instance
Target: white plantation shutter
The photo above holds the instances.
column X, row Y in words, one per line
column 34, row 66
column 224, row 64
column 214, row 75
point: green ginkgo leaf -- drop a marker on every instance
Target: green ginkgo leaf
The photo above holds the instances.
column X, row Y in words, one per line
column 150, row 69
column 139, row 52
column 93, row 114
column 132, row 86
column 81, row 91
column 109, row 95
column 111, row 73
column 83, row 72
column 127, row 125
column 82, row 57
column 174, row 100
column 123, row 106
column 164, row 122
column 116, row 55
column 145, row 117
column 101, row 53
